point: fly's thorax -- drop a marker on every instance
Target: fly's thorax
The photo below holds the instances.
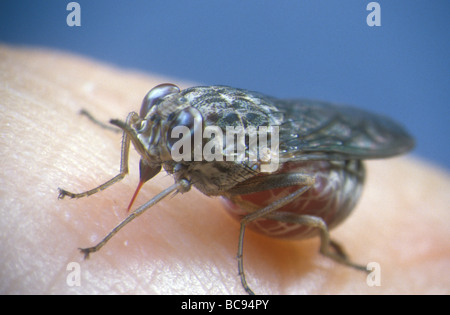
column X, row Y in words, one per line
column 226, row 106
column 211, row 178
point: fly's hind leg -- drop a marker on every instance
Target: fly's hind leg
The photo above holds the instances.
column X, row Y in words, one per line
column 328, row 247
column 255, row 184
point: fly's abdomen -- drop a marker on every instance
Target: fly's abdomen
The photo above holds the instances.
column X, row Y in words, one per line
column 336, row 191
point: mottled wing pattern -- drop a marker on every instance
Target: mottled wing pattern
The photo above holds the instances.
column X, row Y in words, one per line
column 314, row 130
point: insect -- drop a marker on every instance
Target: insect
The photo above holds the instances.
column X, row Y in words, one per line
column 319, row 152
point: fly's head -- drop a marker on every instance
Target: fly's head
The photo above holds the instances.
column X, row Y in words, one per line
column 162, row 109
column 148, row 129
column 164, row 115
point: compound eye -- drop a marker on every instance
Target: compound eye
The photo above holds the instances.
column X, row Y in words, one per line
column 155, row 94
column 190, row 120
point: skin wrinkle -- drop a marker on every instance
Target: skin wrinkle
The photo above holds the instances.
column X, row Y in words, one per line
column 46, row 144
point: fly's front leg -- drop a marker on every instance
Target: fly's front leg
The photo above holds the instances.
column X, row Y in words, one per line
column 124, row 152
column 266, row 183
column 123, row 171
column 98, row 122
column 181, row 186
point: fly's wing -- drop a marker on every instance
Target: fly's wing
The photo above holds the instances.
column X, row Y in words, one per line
column 313, row 130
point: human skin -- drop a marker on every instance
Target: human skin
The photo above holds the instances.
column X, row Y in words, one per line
column 186, row 244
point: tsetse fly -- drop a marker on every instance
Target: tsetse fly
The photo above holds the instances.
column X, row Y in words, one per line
column 318, row 148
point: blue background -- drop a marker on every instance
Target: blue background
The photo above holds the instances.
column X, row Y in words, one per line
column 321, row 49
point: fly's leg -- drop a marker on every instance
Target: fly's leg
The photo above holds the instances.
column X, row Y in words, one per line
column 147, row 172
column 98, row 122
column 328, row 248
column 124, row 152
column 181, row 186
column 123, row 171
column 268, row 182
